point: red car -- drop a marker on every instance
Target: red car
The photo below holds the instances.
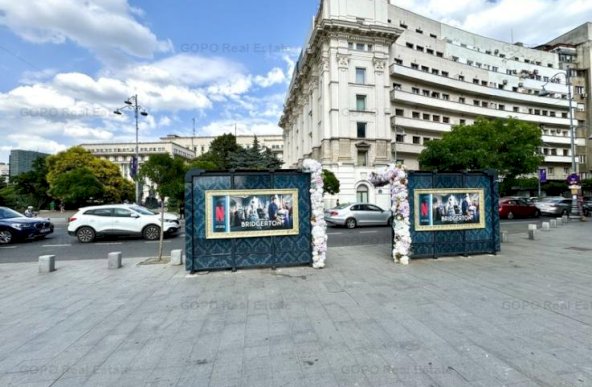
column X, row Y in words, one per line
column 511, row 208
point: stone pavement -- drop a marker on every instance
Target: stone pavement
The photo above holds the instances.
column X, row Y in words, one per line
column 521, row 318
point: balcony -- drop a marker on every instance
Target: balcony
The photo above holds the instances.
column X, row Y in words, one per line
column 558, row 159
column 471, row 110
column 469, row 87
column 404, row 147
column 563, row 140
column 413, row 123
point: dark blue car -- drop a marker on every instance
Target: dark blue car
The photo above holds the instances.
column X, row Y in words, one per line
column 15, row 226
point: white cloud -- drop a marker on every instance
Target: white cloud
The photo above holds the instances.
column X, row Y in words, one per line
column 106, row 27
column 274, row 76
column 532, row 22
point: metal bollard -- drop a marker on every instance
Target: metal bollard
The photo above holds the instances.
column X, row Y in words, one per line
column 531, row 234
column 505, row 237
column 114, row 260
column 177, row 257
column 554, row 223
column 546, row 226
column 46, row 263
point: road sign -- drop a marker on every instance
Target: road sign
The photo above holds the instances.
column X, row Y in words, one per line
column 573, row 179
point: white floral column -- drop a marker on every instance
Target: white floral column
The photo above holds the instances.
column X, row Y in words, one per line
column 319, row 226
column 396, row 176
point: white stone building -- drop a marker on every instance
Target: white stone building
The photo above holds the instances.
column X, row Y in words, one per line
column 201, row 144
column 122, row 154
column 375, row 82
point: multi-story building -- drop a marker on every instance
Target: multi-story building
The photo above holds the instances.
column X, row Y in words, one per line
column 122, row 154
column 375, row 82
column 21, row 161
column 201, row 144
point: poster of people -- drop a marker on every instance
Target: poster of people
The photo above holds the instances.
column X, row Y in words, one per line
column 449, row 209
column 251, row 213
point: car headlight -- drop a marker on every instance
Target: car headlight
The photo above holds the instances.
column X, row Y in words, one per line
column 20, row 226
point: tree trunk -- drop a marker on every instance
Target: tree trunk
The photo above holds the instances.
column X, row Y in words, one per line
column 161, row 242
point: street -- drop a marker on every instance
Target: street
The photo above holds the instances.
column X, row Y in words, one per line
column 66, row 247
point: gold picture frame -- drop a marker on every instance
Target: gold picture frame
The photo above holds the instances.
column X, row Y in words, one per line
column 251, row 213
column 449, row 209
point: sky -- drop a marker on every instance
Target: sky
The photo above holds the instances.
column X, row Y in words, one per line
column 65, row 65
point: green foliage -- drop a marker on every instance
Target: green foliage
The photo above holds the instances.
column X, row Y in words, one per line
column 330, row 182
column 33, row 186
column 116, row 188
column 220, row 150
column 203, row 163
column 78, row 185
column 254, row 157
column 10, row 197
column 167, row 173
column 508, row 145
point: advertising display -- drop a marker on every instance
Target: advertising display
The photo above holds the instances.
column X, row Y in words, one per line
column 449, row 209
column 251, row 213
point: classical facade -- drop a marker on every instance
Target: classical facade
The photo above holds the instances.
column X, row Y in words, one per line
column 376, row 82
column 201, row 144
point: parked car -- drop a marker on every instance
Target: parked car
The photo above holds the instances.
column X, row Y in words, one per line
column 554, row 205
column 119, row 220
column 15, row 226
column 352, row 215
column 511, row 208
column 587, row 208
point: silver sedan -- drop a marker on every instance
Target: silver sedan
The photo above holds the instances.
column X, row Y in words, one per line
column 352, row 215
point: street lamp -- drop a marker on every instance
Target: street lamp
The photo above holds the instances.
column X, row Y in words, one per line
column 575, row 210
column 132, row 103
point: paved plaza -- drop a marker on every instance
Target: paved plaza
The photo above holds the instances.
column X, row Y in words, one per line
column 521, row 318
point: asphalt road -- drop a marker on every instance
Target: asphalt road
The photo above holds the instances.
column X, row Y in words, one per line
column 66, row 247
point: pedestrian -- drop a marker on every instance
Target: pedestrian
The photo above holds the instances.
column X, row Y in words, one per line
column 29, row 212
column 62, row 207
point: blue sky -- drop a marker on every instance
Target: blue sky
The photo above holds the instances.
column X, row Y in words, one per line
column 65, row 65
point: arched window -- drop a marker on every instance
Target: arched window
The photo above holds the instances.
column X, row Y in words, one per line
column 362, row 193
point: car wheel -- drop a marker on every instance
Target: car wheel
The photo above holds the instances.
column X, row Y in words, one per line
column 151, row 232
column 5, row 237
column 85, row 234
column 510, row 215
column 350, row 223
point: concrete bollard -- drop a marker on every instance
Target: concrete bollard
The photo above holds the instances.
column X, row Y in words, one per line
column 559, row 221
column 531, row 234
column 177, row 257
column 532, row 227
column 554, row 223
column 505, row 237
column 46, row 263
column 546, row 226
column 114, row 260
column 564, row 219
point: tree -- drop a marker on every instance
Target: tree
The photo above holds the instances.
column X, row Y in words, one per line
column 220, row 150
column 167, row 173
column 78, row 185
column 116, row 188
column 508, row 145
column 330, row 182
column 254, row 157
column 33, row 185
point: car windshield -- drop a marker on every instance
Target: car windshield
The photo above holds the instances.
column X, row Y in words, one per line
column 141, row 210
column 7, row 213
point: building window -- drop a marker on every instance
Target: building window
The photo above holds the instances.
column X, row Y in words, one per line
column 430, row 51
column 439, row 54
column 446, row 97
column 434, row 36
column 462, row 121
column 446, row 120
column 360, row 102
column 362, row 158
column 399, row 112
column 461, row 77
column 416, row 140
column 445, row 74
column 361, row 129
column 414, row 66
column 426, row 93
column 409, row 45
column 426, row 116
column 397, row 86
column 360, row 46
column 484, row 104
column 436, row 71
column 360, row 75
column 516, row 109
column 501, row 107
column 436, row 118
column 435, row 94
column 425, row 68
column 419, row 31
column 476, row 102
column 415, row 115
column 551, row 171
column 461, row 99
column 415, row 90
column 419, row 48
column 399, row 61
column 400, row 137
column 475, row 81
column 403, row 25
column 362, row 193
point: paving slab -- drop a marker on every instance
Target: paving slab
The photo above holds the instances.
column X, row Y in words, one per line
column 522, row 317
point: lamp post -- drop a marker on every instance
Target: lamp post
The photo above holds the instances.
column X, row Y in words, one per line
column 575, row 210
column 132, row 103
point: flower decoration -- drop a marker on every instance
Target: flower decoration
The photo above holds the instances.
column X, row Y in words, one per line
column 319, row 226
column 396, row 176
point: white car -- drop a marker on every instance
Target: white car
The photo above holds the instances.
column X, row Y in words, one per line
column 119, row 220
